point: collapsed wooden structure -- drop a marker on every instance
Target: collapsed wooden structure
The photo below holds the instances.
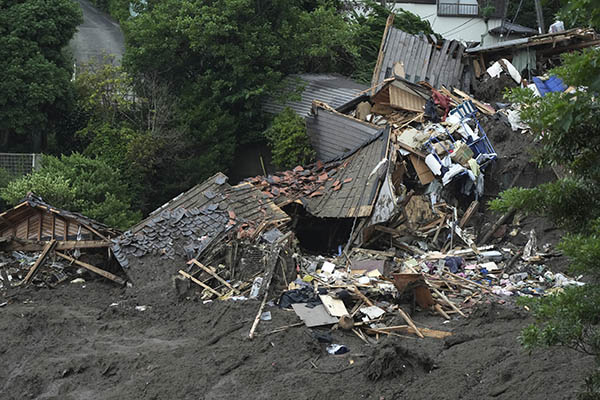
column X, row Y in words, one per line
column 34, row 225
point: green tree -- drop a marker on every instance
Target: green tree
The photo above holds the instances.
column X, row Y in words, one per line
column 77, row 183
column 288, row 140
column 567, row 128
column 35, row 89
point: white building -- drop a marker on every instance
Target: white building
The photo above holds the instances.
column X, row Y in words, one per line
column 466, row 20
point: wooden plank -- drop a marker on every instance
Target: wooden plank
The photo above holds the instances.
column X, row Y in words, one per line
column 438, row 65
column 410, row 323
column 95, row 231
column 40, row 226
column 271, row 271
column 420, row 60
column 38, row 263
column 451, row 304
column 426, row 60
column 213, row 274
column 432, row 333
column 34, row 245
column 53, row 225
column 469, row 213
column 456, row 72
column 448, row 65
column 408, row 55
column 92, row 268
column 389, row 22
column 198, row 282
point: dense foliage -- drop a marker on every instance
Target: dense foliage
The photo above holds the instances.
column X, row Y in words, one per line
column 81, row 184
column 567, row 127
column 35, row 88
column 288, row 140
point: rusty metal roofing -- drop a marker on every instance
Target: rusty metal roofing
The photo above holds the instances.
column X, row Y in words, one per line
column 423, row 60
column 333, row 134
column 334, row 90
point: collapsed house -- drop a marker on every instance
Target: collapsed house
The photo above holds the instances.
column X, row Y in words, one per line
column 33, row 231
column 378, row 226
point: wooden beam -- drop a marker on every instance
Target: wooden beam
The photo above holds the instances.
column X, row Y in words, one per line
column 38, row 263
column 213, row 274
column 199, row 282
column 40, row 226
column 468, row 214
column 34, row 245
column 92, row 268
column 95, row 231
column 53, row 225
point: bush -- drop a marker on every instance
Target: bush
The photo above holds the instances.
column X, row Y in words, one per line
column 288, row 140
column 77, row 183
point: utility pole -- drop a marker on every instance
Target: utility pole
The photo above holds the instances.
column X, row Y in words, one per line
column 540, row 16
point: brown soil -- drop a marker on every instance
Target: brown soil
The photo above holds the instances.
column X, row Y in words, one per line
column 71, row 343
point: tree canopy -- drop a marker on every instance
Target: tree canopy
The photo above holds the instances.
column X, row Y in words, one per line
column 35, row 87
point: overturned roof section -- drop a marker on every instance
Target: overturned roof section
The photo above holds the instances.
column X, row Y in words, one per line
column 558, row 42
column 300, row 90
column 35, row 220
column 351, row 189
column 508, row 28
column 333, row 134
column 343, row 188
column 422, row 59
column 193, row 220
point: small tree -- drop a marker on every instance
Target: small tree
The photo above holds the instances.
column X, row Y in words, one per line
column 288, row 140
column 77, row 183
column 567, row 128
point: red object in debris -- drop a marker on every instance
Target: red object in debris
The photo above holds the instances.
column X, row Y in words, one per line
column 336, row 188
column 319, row 164
column 298, row 169
column 347, row 180
column 337, row 183
column 442, row 101
column 315, row 194
column 276, row 179
column 323, row 177
column 231, row 214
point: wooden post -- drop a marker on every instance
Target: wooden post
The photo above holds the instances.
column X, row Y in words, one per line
column 213, row 274
column 199, row 282
column 38, row 263
column 41, row 225
column 271, row 272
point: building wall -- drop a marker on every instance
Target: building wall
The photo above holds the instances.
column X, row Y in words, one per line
column 468, row 29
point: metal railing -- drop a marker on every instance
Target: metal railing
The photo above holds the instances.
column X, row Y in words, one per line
column 457, row 9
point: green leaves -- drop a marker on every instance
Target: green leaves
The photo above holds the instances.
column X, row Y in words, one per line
column 35, row 83
column 288, row 140
column 81, row 184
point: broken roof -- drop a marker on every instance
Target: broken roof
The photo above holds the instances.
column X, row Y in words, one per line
column 422, row 59
column 401, row 94
column 571, row 39
column 334, row 90
column 198, row 217
column 333, row 134
column 342, row 188
column 509, row 28
column 34, row 219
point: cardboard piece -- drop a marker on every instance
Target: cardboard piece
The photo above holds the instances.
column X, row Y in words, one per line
column 422, row 170
column 316, row 316
column 335, row 307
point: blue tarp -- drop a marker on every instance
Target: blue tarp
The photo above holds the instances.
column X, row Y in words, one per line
column 552, row 84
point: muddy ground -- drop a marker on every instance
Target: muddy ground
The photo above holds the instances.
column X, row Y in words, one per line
column 88, row 341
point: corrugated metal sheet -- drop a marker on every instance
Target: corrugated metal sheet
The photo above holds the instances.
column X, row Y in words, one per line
column 333, row 134
column 422, row 60
column 330, row 89
column 357, row 195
